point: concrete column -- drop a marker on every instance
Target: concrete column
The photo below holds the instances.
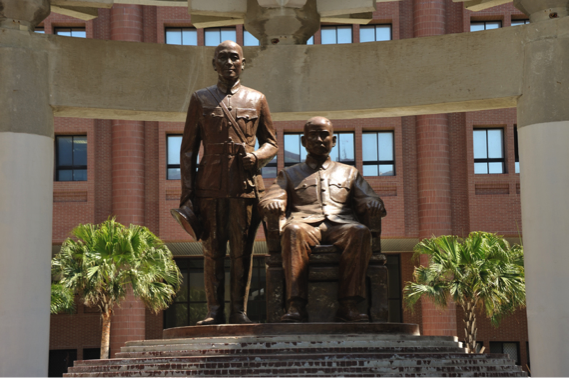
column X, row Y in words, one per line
column 128, row 322
column 434, row 178
column 542, row 120
column 26, row 192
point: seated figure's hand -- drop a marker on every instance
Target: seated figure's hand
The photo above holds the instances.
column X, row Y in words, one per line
column 249, row 161
column 375, row 208
column 274, row 208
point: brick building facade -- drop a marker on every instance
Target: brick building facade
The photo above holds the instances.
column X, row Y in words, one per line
column 434, row 188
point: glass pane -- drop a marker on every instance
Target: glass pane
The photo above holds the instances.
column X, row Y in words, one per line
column 496, row 347
column 492, row 25
column 212, row 37
column 174, row 37
column 334, row 152
column 384, row 33
column 80, row 175
column 173, row 174
column 512, row 350
column 385, row 146
column 197, row 312
column 79, row 150
column 78, row 33
column 480, row 144
column 516, row 23
column 303, row 153
column 495, row 143
column 496, row 168
column 249, row 39
column 269, row 172
column 386, row 169
column 64, row 151
column 228, row 34
column 197, row 293
column 189, row 37
column 65, row 175
column 517, row 167
column 311, row 41
column 367, row 34
column 346, row 147
column 292, row 143
column 369, row 147
column 344, row 34
column 182, row 295
column 174, row 143
column 39, row 31
column 328, row 35
column 481, row 168
column 477, row 27
column 370, row 170
column 63, row 32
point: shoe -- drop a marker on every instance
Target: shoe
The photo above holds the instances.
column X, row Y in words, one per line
column 239, row 318
column 213, row 318
column 348, row 313
column 296, row 312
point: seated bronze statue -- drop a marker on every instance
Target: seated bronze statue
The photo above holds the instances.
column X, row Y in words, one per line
column 322, row 200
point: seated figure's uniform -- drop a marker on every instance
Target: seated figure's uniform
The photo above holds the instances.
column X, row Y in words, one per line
column 322, row 203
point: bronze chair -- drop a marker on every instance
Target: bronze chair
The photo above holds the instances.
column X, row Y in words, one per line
column 323, row 276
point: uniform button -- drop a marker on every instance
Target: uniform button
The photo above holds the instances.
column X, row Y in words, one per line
column 247, row 117
column 304, row 185
column 324, row 204
column 323, row 190
column 212, row 114
column 230, row 108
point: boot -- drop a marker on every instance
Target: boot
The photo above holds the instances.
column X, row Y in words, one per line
column 296, row 312
column 213, row 317
column 348, row 312
column 239, row 318
column 240, row 276
column 214, row 287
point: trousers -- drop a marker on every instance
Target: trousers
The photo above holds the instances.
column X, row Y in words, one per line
column 353, row 239
column 235, row 220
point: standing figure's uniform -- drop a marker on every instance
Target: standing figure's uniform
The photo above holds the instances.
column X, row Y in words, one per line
column 221, row 190
column 322, row 203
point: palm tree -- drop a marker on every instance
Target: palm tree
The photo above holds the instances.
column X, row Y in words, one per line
column 108, row 259
column 62, row 299
column 482, row 271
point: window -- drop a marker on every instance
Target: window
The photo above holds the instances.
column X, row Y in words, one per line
column 190, row 302
column 39, row 30
column 343, row 152
column 215, row 36
column 71, row 158
column 181, row 36
column 488, row 151
column 372, row 33
column 60, row 360
column 485, row 25
column 173, row 143
column 270, row 169
column 71, row 32
column 510, row 348
column 249, row 39
column 519, row 22
column 91, row 353
column 517, row 165
column 378, row 153
column 394, row 288
column 331, row 35
column 311, row 41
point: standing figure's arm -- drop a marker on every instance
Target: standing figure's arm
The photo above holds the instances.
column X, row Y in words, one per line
column 266, row 136
column 189, row 150
column 275, row 199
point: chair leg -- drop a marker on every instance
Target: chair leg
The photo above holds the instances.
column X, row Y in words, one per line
column 378, row 275
column 275, row 296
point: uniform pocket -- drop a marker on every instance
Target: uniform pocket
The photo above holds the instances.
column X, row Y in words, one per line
column 213, row 112
column 339, row 192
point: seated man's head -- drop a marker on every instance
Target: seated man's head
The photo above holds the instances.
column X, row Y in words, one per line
column 228, row 61
column 318, row 138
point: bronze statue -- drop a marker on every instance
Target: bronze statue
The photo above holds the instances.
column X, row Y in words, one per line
column 219, row 200
column 322, row 199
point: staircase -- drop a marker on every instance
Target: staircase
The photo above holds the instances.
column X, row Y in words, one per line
column 349, row 355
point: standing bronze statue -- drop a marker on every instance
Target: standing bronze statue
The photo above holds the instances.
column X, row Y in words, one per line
column 219, row 200
column 322, row 199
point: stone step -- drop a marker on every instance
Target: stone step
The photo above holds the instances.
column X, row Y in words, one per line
column 291, row 350
column 288, row 338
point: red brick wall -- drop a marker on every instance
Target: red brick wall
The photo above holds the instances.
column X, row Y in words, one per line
column 469, row 209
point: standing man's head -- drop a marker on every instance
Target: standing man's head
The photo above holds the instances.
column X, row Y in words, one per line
column 318, row 138
column 228, row 61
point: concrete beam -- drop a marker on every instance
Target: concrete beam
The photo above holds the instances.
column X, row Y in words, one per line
column 158, row 3
column 200, row 21
column 83, row 3
column 329, row 8
column 477, row 5
column 356, row 18
column 82, row 13
column 124, row 80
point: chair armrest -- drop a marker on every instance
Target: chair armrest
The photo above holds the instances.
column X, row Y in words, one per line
column 274, row 224
column 374, row 224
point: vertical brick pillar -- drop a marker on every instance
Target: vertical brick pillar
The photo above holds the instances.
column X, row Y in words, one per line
column 128, row 173
column 434, row 178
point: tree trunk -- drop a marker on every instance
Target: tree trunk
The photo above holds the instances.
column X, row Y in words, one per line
column 469, row 321
column 105, row 334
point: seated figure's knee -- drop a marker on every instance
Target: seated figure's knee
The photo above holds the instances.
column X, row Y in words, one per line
column 360, row 230
column 292, row 229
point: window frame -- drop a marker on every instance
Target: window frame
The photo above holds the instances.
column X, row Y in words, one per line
column 245, row 31
column 524, row 21
column 181, row 28
column 301, row 148
column 172, row 166
column 484, row 23
column 71, row 29
column 206, row 30
column 488, row 160
column 335, row 27
column 502, row 343
column 516, row 141
column 72, row 167
column 380, row 162
column 375, row 30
